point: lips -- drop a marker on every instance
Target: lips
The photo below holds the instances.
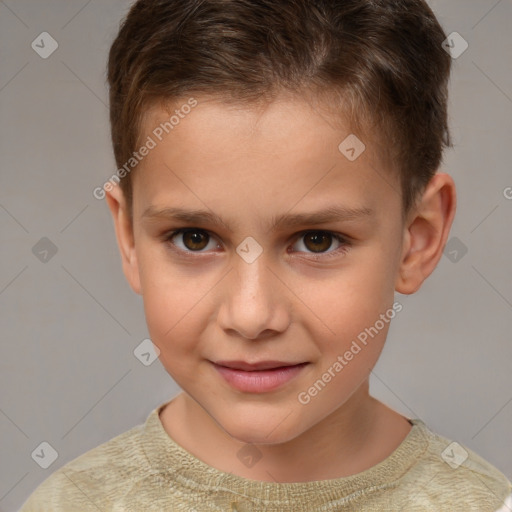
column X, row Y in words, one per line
column 257, row 366
column 260, row 377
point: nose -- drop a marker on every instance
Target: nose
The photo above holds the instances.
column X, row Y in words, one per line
column 254, row 304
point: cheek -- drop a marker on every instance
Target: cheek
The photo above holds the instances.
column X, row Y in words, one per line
column 165, row 294
column 176, row 307
column 349, row 300
column 350, row 317
column 174, row 327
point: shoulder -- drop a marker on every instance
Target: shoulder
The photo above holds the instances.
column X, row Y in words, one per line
column 448, row 474
column 94, row 480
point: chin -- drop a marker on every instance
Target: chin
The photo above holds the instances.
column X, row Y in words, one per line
column 261, row 431
column 260, row 438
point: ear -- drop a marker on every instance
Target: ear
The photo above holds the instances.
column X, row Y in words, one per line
column 124, row 234
column 425, row 233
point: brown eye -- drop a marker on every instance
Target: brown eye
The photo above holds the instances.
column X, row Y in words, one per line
column 317, row 241
column 190, row 240
column 195, row 240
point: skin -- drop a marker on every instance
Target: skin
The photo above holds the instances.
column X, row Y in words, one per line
column 248, row 165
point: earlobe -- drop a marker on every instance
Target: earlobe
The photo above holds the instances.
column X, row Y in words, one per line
column 125, row 236
column 426, row 233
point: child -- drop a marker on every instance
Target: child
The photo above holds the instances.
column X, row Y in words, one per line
column 277, row 183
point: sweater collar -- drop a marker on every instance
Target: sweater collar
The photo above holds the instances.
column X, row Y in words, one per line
column 180, row 467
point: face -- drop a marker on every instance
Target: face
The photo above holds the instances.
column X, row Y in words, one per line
column 293, row 259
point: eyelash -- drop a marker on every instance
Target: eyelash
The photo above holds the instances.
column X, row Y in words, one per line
column 344, row 241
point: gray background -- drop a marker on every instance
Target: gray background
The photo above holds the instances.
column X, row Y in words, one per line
column 70, row 324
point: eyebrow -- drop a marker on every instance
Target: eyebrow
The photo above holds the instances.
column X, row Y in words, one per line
column 334, row 213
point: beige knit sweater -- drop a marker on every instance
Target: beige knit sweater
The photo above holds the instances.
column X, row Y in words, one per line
column 143, row 469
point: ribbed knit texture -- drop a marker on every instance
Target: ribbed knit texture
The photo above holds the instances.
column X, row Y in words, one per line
column 143, row 469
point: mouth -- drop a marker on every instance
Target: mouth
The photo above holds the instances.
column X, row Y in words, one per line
column 257, row 366
column 260, row 377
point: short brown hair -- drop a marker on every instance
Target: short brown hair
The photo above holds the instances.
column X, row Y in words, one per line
column 379, row 62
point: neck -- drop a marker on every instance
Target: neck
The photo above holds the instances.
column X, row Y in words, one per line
column 356, row 436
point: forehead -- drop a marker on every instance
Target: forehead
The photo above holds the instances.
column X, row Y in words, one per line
column 268, row 155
